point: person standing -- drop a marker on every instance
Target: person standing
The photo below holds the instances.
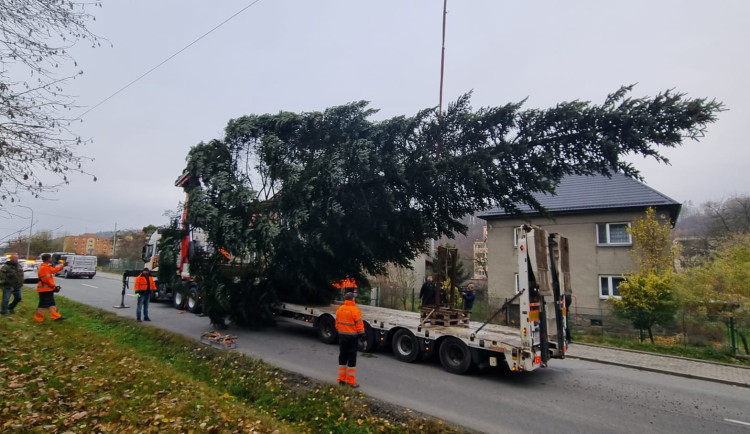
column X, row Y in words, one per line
column 469, row 295
column 427, row 292
column 144, row 284
column 46, row 290
column 349, row 326
column 11, row 280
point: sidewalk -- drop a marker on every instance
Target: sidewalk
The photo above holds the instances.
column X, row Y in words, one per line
column 673, row 365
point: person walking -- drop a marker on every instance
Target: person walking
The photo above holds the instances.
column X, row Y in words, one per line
column 46, row 290
column 427, row 292
column 144, row 284
column 11, row 280
column 349, row 326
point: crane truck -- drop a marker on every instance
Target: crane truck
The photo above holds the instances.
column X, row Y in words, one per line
column 539, row 310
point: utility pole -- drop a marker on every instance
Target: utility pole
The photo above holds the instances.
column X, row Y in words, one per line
column 114, row 241
column 31, row 225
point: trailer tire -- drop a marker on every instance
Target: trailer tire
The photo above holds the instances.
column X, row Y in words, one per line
column 193, row 302
column 178, row 300
column 327, row 330
column 370, row 343
column 405, row 346
column 454, row 356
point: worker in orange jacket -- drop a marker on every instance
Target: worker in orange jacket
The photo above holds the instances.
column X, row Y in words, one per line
column 349, row 326
column 46, row 289
column 144, row 284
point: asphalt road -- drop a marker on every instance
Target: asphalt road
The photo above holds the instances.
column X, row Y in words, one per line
column 569, row 396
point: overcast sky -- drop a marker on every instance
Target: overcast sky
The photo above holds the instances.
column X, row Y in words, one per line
column 309, row 55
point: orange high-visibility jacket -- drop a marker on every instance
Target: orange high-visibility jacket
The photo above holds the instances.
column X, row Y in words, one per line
column 47, row 277
column 140, row 283
column 349, row 319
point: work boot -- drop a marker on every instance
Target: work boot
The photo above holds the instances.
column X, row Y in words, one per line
column 62, row 318
column 147, row 319
column 354, row 386
column 138, row 319
column 342, row 383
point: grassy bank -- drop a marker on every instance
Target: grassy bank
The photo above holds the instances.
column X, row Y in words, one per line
column 97, row 372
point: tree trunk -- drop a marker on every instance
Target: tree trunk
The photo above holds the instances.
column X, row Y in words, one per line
column 744, row 341
column 651, row 335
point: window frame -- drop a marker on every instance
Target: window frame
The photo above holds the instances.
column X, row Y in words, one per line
column 608, row 233
column 610, row 286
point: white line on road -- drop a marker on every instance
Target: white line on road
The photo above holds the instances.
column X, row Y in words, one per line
column 738, row 421
column 90, row 286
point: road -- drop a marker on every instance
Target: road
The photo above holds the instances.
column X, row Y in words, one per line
column 569, row 396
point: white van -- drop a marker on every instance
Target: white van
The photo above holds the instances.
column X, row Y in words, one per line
column 78, row 266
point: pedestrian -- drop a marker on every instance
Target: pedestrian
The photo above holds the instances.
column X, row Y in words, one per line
column 427, row 292
column 11, row 280
column 469, row 295
column 349, row 326
column 46, row 289
column 144, row 284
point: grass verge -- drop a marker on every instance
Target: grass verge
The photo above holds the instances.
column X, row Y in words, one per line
column 708, row 353
column 97, row 372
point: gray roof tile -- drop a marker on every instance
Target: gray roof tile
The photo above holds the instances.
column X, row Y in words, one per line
column 578, row 194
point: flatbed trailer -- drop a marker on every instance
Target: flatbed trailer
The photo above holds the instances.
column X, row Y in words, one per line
column 543, row 270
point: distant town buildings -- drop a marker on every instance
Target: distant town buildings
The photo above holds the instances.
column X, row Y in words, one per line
column 480, row 256
column 88, row 244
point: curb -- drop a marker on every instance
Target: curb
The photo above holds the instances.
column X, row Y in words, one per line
column 661, row 371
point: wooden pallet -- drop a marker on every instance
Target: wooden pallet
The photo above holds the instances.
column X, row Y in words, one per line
column 444, row 317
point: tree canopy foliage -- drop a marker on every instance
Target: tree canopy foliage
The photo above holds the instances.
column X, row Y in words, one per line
column 647, row 296
column 308, row 198
column 35, row 137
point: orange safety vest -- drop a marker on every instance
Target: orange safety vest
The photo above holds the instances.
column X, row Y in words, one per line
column 349, row 319
column 140, row 283
column 46, row 277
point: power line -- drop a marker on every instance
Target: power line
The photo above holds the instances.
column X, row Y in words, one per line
column 166, row 60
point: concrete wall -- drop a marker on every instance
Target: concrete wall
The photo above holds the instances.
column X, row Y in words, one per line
column 588, row 260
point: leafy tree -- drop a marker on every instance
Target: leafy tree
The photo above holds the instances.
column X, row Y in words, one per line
column 719, row 286
column 35, row 133
column 312, row 197
column 646, row 296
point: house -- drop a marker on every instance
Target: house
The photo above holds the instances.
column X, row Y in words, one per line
column 594, row 213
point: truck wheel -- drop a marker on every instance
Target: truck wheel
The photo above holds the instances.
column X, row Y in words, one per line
column 178, row 300
column 66, row 274
column 370, row 343
column 193, row 303
column 91, row 276
column 405, row 346
column 327, row 330
column 455, row 356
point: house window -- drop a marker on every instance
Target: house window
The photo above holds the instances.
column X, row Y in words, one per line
column 613, row 234
column 608, row 286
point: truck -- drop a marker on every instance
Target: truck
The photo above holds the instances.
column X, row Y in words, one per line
column 536, row 317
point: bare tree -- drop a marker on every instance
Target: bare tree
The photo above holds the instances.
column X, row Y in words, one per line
column 35, row 128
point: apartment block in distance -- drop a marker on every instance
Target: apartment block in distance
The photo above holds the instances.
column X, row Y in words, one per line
column 88, row 244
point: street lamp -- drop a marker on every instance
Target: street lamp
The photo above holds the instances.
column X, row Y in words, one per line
column 31, row 225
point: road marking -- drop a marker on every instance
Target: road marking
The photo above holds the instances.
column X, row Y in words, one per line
column 90, row 286
column 738, row 421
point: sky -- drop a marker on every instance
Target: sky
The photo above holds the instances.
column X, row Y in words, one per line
column 309, row 55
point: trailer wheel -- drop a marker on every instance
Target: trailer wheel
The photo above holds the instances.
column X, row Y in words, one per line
column 193, row 302
column 370, row 343
column 405, row 346
column 327, row 330
column 455, row 356
column 178, row 300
